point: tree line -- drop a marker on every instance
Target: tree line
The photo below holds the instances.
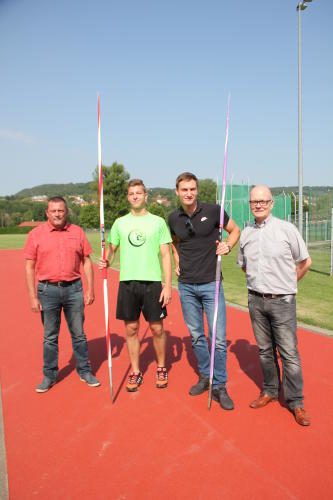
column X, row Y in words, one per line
column 115, row 179
column 16, row 209
column 70, row 189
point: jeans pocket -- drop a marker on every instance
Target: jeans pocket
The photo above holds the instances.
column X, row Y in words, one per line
column 77, row 286
column 250, row 298
column 41, row 288
column 288, row 299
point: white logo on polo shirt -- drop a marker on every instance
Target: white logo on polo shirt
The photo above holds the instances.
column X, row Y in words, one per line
column 203, row 218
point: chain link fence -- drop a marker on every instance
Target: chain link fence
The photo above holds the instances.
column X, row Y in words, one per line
column 318, row 236
column 317, row 223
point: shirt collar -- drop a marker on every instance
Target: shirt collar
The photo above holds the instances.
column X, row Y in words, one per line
column 52, row 228
column 198, row 209
column 263, row 224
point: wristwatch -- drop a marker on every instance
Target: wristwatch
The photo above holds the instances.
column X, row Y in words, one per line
column 230, row 248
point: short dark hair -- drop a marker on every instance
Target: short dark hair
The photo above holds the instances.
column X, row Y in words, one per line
column 136, row 182
column 57, row 199
column 186, row 176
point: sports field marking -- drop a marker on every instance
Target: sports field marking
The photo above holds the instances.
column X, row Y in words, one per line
column 3, row 463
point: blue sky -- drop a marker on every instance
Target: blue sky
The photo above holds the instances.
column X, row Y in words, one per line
column 163, row 70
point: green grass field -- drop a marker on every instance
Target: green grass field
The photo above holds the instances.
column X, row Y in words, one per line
column 315, row 294
column 12, row 241
column 320, row 254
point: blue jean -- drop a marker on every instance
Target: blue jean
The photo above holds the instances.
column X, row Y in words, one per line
column 275, row 327
column 54, row 299
column 195, row 298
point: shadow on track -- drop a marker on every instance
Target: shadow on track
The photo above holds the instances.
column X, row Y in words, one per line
column 248, row 358
column 97, row 354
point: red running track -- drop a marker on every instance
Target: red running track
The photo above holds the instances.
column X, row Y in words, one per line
column 71, row 443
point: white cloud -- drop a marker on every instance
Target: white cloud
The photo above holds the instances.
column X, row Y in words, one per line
column 15, row 136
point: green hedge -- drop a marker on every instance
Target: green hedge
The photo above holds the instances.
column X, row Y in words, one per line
column 15, row 230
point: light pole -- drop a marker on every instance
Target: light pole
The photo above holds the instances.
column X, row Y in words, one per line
column 301, row 6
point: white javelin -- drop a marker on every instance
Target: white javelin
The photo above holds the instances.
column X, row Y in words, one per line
column 105, row 280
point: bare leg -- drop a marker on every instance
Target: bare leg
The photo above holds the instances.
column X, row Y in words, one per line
column 159, row 341
column 133, row 343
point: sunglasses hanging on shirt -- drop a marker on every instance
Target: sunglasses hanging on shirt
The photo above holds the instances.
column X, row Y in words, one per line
column 189, row 227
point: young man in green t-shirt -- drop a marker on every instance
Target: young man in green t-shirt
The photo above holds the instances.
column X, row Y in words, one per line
column 141, row 237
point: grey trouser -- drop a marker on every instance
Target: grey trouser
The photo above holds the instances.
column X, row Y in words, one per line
column 274, row 325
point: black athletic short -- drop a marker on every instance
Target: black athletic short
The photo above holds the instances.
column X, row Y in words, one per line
column 137, row 296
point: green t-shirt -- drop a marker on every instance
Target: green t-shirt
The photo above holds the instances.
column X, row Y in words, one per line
column 139, row 238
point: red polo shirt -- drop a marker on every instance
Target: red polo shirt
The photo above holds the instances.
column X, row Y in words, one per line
column 58, row 253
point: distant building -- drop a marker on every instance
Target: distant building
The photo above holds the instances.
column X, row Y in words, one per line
column 77, row 200
column 39, row 198
column 31, row 223
column 161, row 200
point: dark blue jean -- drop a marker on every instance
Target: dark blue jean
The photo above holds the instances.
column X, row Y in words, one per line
column 54, row 299
column 197, row 298
column 275, row 327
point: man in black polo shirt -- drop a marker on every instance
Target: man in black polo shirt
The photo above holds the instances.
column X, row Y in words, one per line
column 194, row 230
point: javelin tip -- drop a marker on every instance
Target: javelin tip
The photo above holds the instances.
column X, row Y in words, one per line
column 210, row 395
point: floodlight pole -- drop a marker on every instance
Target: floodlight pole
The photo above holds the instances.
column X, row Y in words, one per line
column 301, row 6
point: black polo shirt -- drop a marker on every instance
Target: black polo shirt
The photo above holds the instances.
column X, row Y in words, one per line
column 197, row 247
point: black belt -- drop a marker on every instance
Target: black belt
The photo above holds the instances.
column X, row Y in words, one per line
column 268, row 295
column 61, row 284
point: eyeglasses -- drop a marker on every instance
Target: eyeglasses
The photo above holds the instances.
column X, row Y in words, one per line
column 262, row 203
column 189, row 227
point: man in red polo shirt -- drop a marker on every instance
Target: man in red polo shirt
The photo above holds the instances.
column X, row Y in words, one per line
column 54, row 252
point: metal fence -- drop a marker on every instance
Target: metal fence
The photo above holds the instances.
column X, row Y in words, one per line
column 237, row 204
column 318, row 236
column 317, row 223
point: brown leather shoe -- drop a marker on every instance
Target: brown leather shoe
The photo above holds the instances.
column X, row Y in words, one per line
column 262, row 400
column 301, row 416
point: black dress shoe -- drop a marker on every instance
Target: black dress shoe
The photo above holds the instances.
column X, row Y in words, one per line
column 221, row 396
column 201, row 386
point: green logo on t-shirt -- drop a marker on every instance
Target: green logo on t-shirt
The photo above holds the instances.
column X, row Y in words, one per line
column 136, row 238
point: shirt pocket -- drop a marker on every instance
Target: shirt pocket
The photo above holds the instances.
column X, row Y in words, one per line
column 276, row 252
column 74, row 243
column 74, row 253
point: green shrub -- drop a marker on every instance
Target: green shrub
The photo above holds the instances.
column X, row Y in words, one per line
column 15, row 230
